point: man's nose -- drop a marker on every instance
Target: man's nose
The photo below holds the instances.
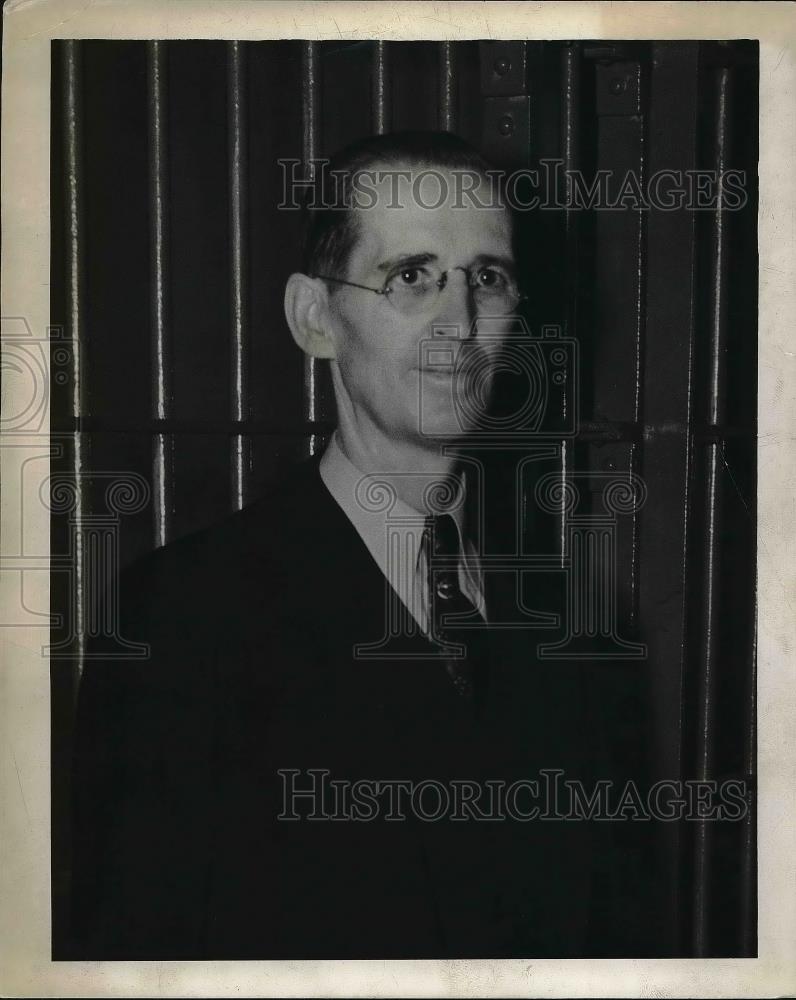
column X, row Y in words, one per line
column 456, row 314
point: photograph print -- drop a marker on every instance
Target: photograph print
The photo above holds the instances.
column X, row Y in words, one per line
column 403, row 499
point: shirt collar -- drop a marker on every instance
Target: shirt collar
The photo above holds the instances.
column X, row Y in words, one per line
column 342, row 478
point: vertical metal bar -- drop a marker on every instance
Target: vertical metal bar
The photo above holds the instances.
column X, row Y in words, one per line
column 668, row 398
column 73, row 149
column 570, row 106
column 447, row 86
column 310, row 110
column 159, row 307
column 641, row 285
column 381, row 88
column 620, row 99
column 707, row 680
column 238, row 192
column 748, row 934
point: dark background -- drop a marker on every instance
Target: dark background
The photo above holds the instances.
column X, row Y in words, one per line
column 663, row 306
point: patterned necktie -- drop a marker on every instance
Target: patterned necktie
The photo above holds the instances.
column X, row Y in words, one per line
column 450, row 607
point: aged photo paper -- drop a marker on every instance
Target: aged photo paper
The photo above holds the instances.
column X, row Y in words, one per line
column 41, row 952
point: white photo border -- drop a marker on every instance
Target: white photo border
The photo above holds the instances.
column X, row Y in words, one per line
column 25, row 934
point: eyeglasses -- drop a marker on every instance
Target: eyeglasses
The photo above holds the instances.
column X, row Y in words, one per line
column 416, row 289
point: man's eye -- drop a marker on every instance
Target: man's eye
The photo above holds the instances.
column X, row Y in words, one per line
column 491, row 277
column 411, row 279
column 410, row 276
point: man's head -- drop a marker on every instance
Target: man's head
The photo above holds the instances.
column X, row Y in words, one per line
column 404, row 256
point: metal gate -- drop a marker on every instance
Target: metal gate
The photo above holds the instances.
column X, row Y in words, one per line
column 177, row 376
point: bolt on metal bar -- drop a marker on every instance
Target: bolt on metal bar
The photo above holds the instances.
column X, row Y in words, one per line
column 238, row 212
column 381, row 87
column 72, row 112
column 159, row 304
column 707, row 680
column 447, row 86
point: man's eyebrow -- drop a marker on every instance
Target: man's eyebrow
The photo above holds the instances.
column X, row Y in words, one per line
column 489, row 258
column 410, row 260
column 406, row 260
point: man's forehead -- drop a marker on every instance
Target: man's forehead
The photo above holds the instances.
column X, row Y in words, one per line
column 424, row 214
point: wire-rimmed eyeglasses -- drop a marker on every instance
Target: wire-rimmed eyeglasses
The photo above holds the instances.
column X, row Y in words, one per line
column 416, row 288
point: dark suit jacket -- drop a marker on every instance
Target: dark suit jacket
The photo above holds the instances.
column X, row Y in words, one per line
column 178, row 849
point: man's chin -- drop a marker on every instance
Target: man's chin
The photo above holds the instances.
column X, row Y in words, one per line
column 446, row 417
column 444, row 428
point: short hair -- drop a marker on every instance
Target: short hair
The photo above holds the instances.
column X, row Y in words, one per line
column 332, row 227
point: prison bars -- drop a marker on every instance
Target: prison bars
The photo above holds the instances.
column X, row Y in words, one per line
column 661, row 454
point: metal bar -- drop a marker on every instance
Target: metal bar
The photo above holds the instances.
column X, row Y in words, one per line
column 73, row 155
column 381, row 88
column 159, row 306
column 592, row 431
column 152, row 427
column 748, row 934
column 310, row 111
column 619, row 275
column 709, row 644
column 238, row 213
column 447, row 86
column 667, row 457
column 570, row 107
column 635, row 453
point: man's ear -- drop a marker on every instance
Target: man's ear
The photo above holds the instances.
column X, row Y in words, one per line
column 307, row 314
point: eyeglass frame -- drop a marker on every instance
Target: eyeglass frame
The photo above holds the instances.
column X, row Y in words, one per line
column 443, row 278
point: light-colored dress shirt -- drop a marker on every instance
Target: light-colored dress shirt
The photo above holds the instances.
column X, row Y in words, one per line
column 393, row 534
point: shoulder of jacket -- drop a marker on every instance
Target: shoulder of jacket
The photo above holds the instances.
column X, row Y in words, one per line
column 257, row 533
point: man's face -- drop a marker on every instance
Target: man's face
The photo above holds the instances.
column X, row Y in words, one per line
column 381, row 376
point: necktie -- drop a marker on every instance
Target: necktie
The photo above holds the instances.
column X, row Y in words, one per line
column 450, row 607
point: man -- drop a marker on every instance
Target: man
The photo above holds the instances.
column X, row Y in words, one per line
column 342, row 634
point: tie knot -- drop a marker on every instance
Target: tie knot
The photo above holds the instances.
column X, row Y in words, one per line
column 444, row 534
